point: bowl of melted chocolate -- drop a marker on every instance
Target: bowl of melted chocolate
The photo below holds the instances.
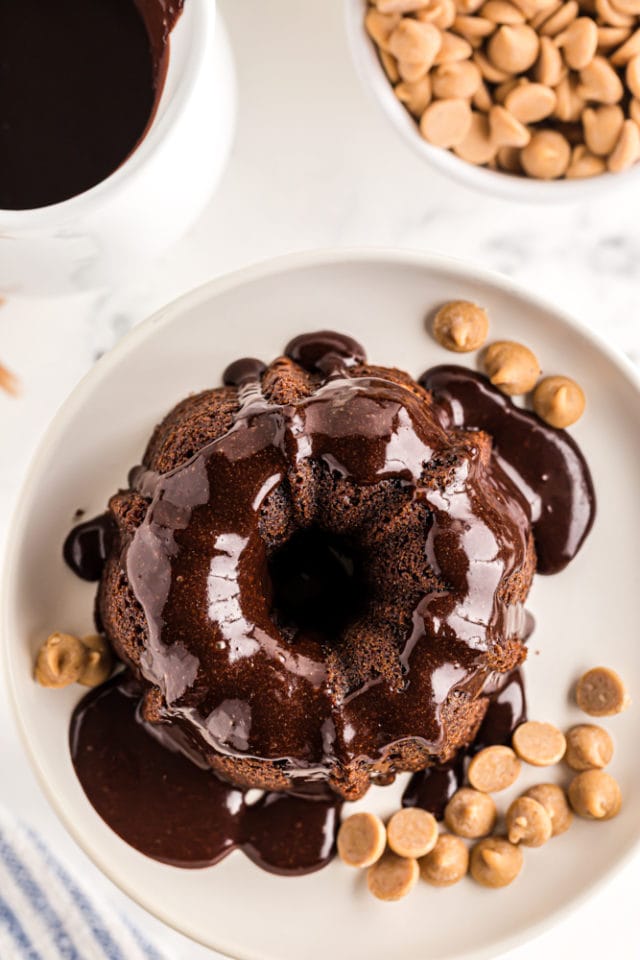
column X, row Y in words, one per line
column 100, row 106
column 331, row 566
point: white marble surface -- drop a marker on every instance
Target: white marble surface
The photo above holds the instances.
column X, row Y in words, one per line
column 316, row 165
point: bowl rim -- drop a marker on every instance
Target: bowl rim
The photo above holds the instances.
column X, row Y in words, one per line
column 199, row 17
column 260, row 270
column 495, row 182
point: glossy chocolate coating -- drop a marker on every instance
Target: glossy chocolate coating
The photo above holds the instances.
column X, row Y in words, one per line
column 80, row 82
column 168, row 808
column 88, row 545
column 545, row 463
column 432, row 788
column 198, row 567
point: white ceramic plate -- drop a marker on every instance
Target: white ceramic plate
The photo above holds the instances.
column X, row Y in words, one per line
column 585, row 616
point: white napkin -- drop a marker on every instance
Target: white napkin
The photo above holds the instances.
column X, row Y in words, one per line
column 45, row 914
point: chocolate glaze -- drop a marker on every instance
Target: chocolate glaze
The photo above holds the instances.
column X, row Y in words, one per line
column 88, row 545
column 79, row 85
column 168, row 808
column 545, row 463
column 148, row 781
column 320, row 352
column 199, row 569
column 243, row 371
column 432, row 788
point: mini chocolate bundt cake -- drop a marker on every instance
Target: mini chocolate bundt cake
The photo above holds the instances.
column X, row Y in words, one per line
column 314, row 577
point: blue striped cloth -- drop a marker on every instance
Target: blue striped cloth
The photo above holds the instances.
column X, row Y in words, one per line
column 45, row 914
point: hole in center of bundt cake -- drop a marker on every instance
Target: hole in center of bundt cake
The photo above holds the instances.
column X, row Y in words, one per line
column 318, row 584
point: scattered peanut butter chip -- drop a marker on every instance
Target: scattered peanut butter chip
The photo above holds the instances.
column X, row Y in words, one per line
column 540, row 744
column 595, row 795
column 361, row 840
column 559, row 401
column 61, row 661
column 447, row 863
column 494, row 768
column 495, row 862
column 511, row 367
column 601, row 693
column 99, row 661
column 589, row 747
column 470, row 813
column 412, row 832
column 445, row 123
column 392, row 877
column 461, row 326
column 554, row 800
column 528, row 822
column 9, row 382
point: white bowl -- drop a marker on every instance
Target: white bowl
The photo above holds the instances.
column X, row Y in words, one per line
column 585, row 615
column 105, row 234
column 505, row 185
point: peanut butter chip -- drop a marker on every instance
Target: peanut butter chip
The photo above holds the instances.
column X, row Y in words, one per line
column 493, row 769
column 415, row 96
column 595, row 795
column 580, row 43
column 415, row 42
column 445, row 123
column 589, row 747
column 584, row 164
column 495, row 862
column 559, row 401
column 99, row 661
column 547, row 155
column 470, row 814
column 540, row 744
column 554, row 800
column 601, row 693
column 461, row 326
column 361, row 840
column 531, row 102
column 380, row 26
column 447, row 863
column 412, row 832
column 61, row 661
column 600, row 82
column 602, row 127
column 456, row 80
column 514, row 49
column 478, row 146
column 392, row 877
column 627, row 149
column 506, row 130
column 528, row 822
column 510, row 366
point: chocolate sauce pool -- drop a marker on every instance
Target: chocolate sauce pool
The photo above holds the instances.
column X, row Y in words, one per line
column 164, row 805
column 381, row 433
column 79, row 84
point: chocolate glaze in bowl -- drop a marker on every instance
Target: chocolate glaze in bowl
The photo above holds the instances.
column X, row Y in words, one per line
column 80, row 86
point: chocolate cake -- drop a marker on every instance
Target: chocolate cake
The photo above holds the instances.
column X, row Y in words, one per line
column 315, row 576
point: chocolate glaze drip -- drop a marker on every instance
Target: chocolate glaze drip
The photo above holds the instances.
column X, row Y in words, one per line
column 243, row 371
column 170, row 809
column 201, row 538
column 544, row 463
column 88, row 545
column 432, row 788
column 323, row 351
column 80, row 85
